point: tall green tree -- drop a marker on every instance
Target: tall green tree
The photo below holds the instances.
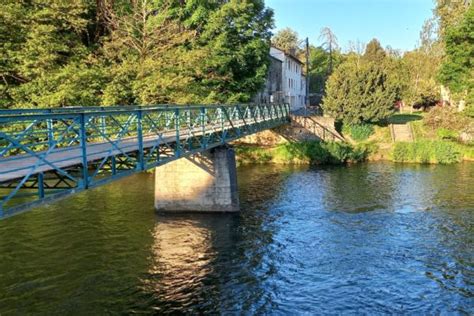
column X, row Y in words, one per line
column 321, row 63
column 457, row 70
column 418, row 71
column 359, row 92
column 238, row 37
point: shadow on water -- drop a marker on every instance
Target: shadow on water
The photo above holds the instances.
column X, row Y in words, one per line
column 370, row 238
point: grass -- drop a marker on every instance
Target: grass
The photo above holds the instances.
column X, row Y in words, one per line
column 359, row 132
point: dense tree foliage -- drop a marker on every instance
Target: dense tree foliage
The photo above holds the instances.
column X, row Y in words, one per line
column 322, row 64
column 45, row 53
column 359, row 92
column 457, row 70
column 449, row 13
column 374, row 52
column 287, row 40
column 418, row 74
column 85, row 52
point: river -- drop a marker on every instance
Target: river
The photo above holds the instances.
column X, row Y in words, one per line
column 363, row 239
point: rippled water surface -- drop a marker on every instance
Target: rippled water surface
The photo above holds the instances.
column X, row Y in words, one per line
column 375, row 238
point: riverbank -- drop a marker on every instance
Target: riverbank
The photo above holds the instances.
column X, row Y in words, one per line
column 373, row 142
column 316, row 152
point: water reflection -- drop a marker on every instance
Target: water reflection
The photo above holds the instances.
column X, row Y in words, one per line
column 182, row 258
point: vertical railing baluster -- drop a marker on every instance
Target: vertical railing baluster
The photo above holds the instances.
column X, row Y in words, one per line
column 103, row 128
column 114, row 165
column 49, row 126
column 223, row 131
column 41, row 185
column 203, row 127
column 177, row 152
column 141, row 160
column 85, row 169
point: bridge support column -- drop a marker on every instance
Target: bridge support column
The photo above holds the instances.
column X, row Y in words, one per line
column 205, row 182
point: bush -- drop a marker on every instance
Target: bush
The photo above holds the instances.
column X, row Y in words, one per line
column 427, row 152
column 447, row 134
column 446, row 117
column 358, row 132
column 309, row 152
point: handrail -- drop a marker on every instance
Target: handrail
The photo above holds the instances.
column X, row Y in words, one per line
column 88, row 109
column 392, row 133
column 334, row 135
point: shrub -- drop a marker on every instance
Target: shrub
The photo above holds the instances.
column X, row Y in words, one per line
column 427, row 152
column 446, row 117
column 359, row 132
column 309, row 152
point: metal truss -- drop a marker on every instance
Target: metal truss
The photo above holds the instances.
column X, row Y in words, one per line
column 47, row 153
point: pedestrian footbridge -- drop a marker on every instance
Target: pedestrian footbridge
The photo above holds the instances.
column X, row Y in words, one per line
column 48, row 153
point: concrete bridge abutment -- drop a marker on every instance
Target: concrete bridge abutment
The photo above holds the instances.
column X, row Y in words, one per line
column 205, row 182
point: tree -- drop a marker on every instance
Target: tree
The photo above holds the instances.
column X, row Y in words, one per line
column 449, row 13
column 238, row 37
column 287, row 40
column 429, row 40
column 457, row 70
column 374, row 52
column 89, row 52
column 44, row 40
column 420, row 88
column 359, row 92
column 320, row 66
column 331, row 45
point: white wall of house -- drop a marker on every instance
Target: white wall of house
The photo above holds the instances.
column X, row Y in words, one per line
column 293, row 82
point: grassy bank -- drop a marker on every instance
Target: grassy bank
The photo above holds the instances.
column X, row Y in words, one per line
column 309, row 152
column 433, row 143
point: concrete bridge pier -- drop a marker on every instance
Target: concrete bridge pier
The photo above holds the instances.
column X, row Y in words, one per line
column 205, row 182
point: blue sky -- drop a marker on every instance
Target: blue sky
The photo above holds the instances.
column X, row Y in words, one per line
column 394, row 22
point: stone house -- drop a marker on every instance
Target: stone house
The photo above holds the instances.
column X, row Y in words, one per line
column 285, row 81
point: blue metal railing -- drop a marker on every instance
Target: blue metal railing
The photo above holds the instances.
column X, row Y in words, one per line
column 46, row 153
